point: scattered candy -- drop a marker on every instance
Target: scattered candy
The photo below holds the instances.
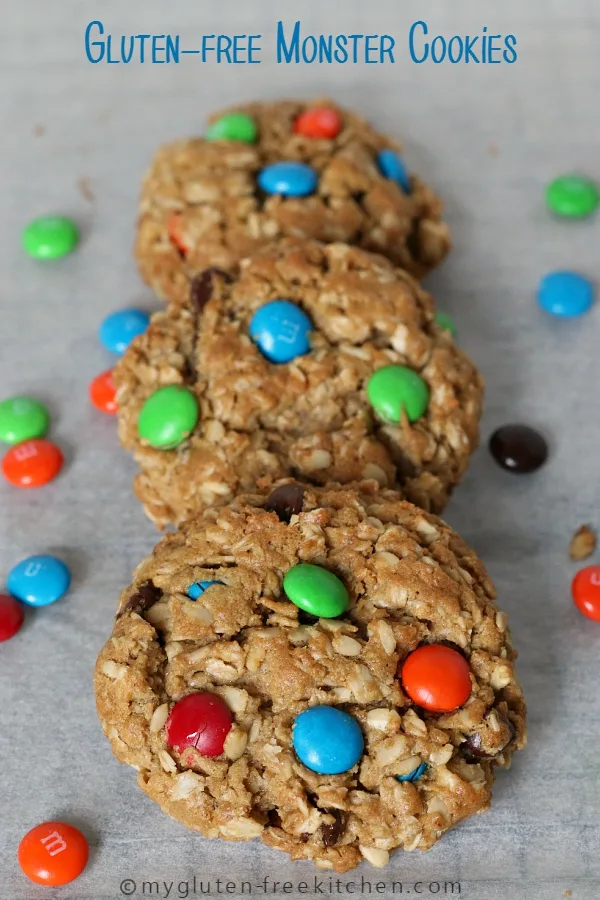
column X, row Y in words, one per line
column 586, row 592
column 281, row 331
column 316, row 590
column 286, row 501
column 327, row 740
column 319, row 122
column 437, row 678
column 32, row 463
column 392, row 166
column 39, row 580
column 22, row 418
column 53, row 854
column 11, row 617
column 290, row 179
column 233, row 127
column 120, row 328
column 446, row 322
column 518, row 448
column 565, row 294
column 168, row 417
column 197, row 589
column 174, row 229
column 103, row 393
column 50, row 237
column 397, row 389
column 202, row 721
column 573, row 196
column 414, row 775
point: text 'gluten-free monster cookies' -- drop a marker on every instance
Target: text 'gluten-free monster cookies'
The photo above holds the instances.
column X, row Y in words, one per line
column 343, row 685
column 270, row 170
column 319, row 361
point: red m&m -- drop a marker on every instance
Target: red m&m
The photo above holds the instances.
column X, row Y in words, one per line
column 11, row 617
column 202, row 721
column 586, row 592
column 319, row 122
column 32, row 463
column 53, row 853
column 103, row 393
column 437, row 678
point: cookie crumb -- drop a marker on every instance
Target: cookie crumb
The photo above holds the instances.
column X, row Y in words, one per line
column 39, row 130
column 583, row 543
column 568, row 893
column 493, row 149
column 85, row 189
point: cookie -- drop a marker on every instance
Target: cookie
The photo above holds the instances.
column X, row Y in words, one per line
column 319, row 361
column 247, row 716
column 209, row 201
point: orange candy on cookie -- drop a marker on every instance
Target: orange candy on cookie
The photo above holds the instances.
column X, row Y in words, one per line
column 319, row 122
column 53, row 853
column 437, row 678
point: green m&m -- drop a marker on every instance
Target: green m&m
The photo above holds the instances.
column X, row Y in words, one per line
column 572, row 196
column 168, row 417
column 22, row 419
column 397, row 389
column 445, row 322
column 50, row 237
column 233, row 127
column 317, row 591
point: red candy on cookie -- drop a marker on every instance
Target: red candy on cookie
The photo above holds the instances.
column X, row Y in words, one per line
column 103, row 392
column 53, row 853
column 586, row 592
column 202, row 721
column 437, row 678
column 319, row 122
column 32, row 463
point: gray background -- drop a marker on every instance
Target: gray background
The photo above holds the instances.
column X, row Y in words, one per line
column 488, row 137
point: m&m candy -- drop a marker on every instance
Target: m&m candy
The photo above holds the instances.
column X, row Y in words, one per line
column 234, row 126
column 565, row 294
column 11, row 617
column 32, row 463
column 327, row 740
column 518, row 448
column 586, row 592
column 281, row 330
column 197, row 589
column 318, row 122
column 53, row 854
column 168, row 417
column 395, row 390
column 103, row 393
column 572, row 196
column 316, row 590
column 437, row 678
column 120, row 328
column 445, row 322
column 50, row 237
column 392, row 166
column 289, row 179
column 39, row 580
column 202, row 721
column 21, row 419
column 415, row 774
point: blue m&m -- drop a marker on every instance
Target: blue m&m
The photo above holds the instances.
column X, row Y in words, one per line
column 290, row 179
column 119, row 329
column 414, row 775
column 327, row 740
column 281, row 330
column 39, row 580
column 197, row 589
column 392, row 166
column 565, row 294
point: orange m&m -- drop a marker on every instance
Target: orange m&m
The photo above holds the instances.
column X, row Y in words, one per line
column 586, row 592
column 32, row 463
column 174, row 229
column 437, row 678
column 103, row 392
column 53, row 853
column 319, row 122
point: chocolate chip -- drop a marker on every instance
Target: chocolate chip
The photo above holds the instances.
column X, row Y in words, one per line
column 286, row 501
column 274, row 818
column 146, row 596
column 306, row 618
column 473, row 748
column 201, row 288
column 518, row 448
column 332, row 833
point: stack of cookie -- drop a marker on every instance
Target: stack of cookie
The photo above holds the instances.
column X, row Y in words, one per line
column 313, row 658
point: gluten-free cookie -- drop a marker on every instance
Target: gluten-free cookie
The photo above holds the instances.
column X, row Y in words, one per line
column 269, row 170
column 319, row 361
column 321, row 668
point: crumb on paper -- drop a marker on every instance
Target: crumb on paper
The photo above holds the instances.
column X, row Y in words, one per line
column 493, row 149
column 85, row 189
column 583, row 543
column 39, row 130
column 568, row 893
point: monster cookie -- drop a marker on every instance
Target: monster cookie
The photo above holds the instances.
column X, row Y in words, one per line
column 321, row 361
column 272, row 169
column 323, row 668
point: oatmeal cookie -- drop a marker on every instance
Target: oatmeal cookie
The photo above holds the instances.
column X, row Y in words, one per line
column 354, row 379
column 216, row 678
column 208, row 201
